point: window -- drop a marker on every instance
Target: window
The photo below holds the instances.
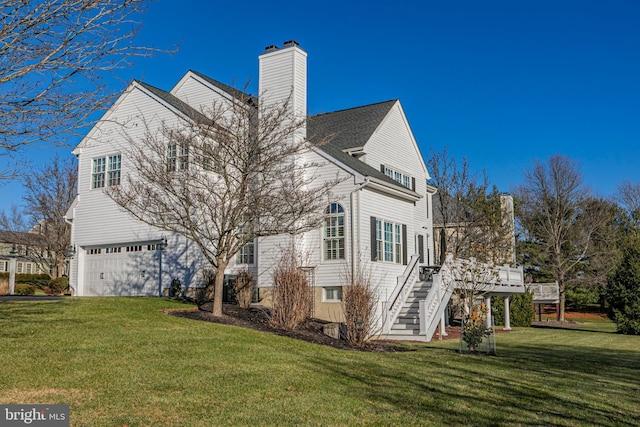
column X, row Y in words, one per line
column 106, row 170
column 332, row 294
column 389, row 242
column 4, row 266
column 177, row 158
column 97, row 177
column 19, row 268
column 113, row 170
column 401, row 178
column 29, row 268
column 246, row 254
column 334, row 232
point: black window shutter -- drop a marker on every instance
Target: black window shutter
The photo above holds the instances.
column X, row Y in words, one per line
column 374, row 255
column 382, row 168
column 413, row 183
column 421, row 247
column 404, row 244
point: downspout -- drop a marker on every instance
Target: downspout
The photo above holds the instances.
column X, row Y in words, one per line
column 351, row 225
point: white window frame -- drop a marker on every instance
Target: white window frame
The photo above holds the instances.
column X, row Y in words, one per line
column 177, row 157
column 389, row 241
column 332, row 294
column 247, row 254
column 401, row 178
column 98, row 167
column 334, row 233
column 106, row 171
column 114, row 169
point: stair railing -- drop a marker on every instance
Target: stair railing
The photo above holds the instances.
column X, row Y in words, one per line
column 404, row 286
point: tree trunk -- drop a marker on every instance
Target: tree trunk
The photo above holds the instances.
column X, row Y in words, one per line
column 561, row 292
column 218, row 287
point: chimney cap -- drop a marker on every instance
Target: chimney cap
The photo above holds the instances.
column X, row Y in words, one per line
column 271, row 48
column 291, row 43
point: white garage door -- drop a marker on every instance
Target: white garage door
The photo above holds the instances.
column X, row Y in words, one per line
column 126, row 270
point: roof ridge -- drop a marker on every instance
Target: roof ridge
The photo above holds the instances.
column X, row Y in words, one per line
column 227, row 88
column 173, row 100
column 355, row 108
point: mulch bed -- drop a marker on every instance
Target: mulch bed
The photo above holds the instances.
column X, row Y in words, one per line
column 258, row 319
column 310, row 330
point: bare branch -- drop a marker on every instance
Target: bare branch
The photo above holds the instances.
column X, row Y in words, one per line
column 55, row 57
column 224, row 177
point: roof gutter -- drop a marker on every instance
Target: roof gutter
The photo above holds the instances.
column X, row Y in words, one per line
column 393, row 190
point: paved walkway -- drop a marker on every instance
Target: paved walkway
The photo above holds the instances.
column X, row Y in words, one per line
column 28, row 298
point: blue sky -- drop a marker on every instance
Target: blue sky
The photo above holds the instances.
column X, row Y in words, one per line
column 501, row 83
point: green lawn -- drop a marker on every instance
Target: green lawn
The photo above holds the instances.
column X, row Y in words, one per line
column 121, row 361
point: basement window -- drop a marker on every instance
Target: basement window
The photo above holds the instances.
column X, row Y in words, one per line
column 332, row 294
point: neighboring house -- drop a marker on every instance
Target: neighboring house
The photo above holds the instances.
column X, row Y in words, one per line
column 456, row 229
column 28, row 249
column 379, row 213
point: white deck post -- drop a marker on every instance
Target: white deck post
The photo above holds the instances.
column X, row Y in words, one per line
column 443, row 332
column 487, row 303
column 12, row 274
column 507, row 320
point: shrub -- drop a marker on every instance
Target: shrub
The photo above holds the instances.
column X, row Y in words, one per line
column 358, row 305
column 243, row 289
column 582, row 298
column 521, row 309
column 623, row 293
column 40, row 281
column 24, row 289
column 292, row 297
column 175, row 289
column 474, row 328
column 57, row 286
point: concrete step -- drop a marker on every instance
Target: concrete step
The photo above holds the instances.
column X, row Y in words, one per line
column 405, row 326
column 396, row 337
column 406, row 331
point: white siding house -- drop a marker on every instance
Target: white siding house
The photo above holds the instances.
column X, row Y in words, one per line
column 380, row 211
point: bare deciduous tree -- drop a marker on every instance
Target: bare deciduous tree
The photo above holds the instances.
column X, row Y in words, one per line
column 359, row 301
column 628, row 197
column 49, row 194
column 291, row 295
column 224, row 177
column 469, row 215
column 54, row 58
column 555, row 211
column 14, row 221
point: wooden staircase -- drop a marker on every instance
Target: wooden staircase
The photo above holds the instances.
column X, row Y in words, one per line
column 407, row 325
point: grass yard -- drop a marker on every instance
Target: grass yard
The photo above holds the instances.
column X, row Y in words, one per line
column 121, row 361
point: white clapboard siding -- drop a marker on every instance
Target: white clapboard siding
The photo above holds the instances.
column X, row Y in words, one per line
column 393, row 144
column 283, row 73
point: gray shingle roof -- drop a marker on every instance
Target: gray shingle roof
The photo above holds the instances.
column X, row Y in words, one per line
column 456, row 212
column 350, row 128
column 20, row 238
column 181, row 106
column 339, row 131
column 334, row 133
column 252, row 100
